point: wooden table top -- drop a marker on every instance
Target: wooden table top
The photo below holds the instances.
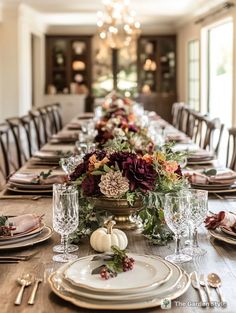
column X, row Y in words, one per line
column 220, row 258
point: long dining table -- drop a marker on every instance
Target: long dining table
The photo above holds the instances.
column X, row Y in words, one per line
column 220, row 258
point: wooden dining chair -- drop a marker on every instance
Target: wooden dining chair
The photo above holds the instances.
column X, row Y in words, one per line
column 231, row 149
column 5, row 166
column 176, row 114
column 30, row 132
column 39, row 128
column 20, row 140
column 213, row 135
column 56, row 108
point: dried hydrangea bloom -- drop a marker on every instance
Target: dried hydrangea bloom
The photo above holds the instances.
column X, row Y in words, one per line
column 113, row 184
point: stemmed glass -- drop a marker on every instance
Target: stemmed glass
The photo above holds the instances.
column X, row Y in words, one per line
column 69, row 164
column 176, row 212
column 198, row 211
column 65, row 216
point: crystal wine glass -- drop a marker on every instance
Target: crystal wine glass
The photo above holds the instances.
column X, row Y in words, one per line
column 65, row 216
column 69, row 164
column 176, row 212
column 198, row 211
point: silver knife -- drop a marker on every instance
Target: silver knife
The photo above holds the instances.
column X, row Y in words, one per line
column 196, row 285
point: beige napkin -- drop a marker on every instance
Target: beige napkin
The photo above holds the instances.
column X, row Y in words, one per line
column 226, row 177
column 29, row 178
column 24, row 223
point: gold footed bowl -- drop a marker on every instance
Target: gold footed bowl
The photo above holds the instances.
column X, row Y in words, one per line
column 121, row 210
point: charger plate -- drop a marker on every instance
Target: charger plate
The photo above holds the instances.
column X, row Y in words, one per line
column 68, row 295
column 218, row 234
column 29, row 232
column 148, row 273
column 28, row 191
column 45, row 234
column 103, row 295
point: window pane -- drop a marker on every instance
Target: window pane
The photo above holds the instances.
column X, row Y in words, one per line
column 193, row 74
column 220, row 64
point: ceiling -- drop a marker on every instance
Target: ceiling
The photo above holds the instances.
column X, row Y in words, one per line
column 149, row 12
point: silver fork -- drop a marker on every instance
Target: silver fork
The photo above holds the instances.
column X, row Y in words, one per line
column 206, row 288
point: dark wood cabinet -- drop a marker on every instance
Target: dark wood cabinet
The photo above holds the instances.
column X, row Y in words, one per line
column 68, row 64
column 157, row 73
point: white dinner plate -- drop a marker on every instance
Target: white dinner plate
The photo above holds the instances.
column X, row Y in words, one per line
column 103, row 295
column 29, row 186
column 146, row 275
column 149, row 302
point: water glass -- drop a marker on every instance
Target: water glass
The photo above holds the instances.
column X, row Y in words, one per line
column 198, row 212
column 176, row 212
column 65, row 216
column 69, row 164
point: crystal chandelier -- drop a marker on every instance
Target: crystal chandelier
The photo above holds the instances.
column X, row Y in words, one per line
column 117, row 26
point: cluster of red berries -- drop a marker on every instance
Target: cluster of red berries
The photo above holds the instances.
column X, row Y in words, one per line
column 127, row 265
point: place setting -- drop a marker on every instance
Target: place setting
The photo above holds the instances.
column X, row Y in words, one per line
column 221, row 226
column 199, row 157
column 20, row 232
column 214, row 180
column 31, row 183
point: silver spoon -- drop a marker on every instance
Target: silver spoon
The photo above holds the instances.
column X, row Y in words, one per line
column 24, row 281
column 215, row 282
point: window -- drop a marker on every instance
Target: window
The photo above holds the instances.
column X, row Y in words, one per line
column 220, row 71
column 193, row 75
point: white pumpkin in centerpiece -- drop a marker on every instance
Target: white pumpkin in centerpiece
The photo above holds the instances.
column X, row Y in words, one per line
column 103, row 238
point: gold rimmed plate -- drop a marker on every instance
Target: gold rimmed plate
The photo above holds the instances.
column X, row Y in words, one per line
column 136, row 304
column 218, row 234
column 28, row 191
column 42, row 236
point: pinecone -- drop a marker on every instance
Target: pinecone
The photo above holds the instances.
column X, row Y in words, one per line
column 113, row 184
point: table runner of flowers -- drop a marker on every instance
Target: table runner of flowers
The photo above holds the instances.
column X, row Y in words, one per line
column 127, row 165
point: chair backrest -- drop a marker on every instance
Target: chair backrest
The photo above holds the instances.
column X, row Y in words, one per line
column 20, row 140
column 231, row 149
column 56, row 108
column 213, row 135
column 176, row 114
column 4, row 152
column 30, row 132
column 38, row 128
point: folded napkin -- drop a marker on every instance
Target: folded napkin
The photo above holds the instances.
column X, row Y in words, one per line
column 24, row 223
column 221, row 219
column 31, row 178
column 201, row 155
column 223, row 177
column 74, row 126
column 65, row 135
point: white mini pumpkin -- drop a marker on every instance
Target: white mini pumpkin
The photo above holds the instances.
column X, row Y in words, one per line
column 103, row 238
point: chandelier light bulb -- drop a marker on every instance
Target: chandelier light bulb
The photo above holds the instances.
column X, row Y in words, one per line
column 117, row 25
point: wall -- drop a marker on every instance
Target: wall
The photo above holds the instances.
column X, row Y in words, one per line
column 18, row 23
column 191, row 31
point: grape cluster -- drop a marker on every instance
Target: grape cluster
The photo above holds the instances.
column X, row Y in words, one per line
column 127, row 264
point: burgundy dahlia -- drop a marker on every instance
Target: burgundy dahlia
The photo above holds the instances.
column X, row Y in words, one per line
column 90, row 185
column 80, row 169
column 179, row 172
column 120, row 157
column 140, row 174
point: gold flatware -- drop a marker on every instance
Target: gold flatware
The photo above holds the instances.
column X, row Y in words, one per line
column 205, row 286
column 34, row 291
column 24, row 281
column 215, row 282
column 196, row 285
column 218, row 196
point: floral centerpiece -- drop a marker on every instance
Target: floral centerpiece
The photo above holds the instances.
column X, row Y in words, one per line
column 124, row 182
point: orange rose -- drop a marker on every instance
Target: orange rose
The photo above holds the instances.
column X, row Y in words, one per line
column 171, row 166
